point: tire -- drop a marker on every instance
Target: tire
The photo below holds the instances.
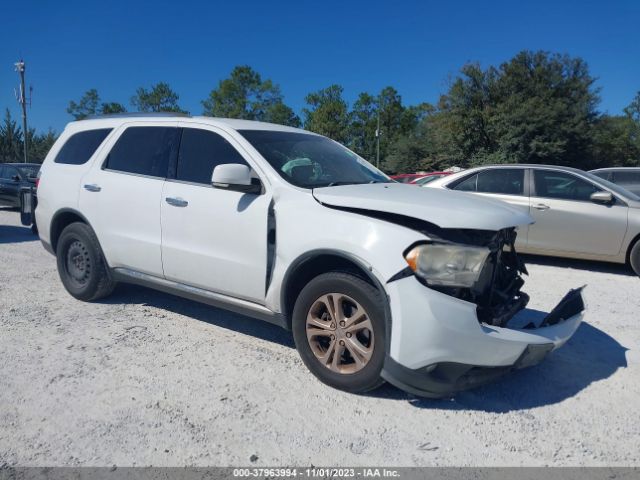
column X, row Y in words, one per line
column 81, row 264
column 355, row 364
column 634, row 257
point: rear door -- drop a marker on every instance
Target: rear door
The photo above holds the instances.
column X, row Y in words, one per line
column 212, row 238
column 567, row 221
column 507, row 184
column 121, row 194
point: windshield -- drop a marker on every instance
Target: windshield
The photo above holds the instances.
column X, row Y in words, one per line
column 311, row 161
column 30, row 171
column 613, row 187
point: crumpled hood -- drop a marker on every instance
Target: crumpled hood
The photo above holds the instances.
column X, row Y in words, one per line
column 444, row 208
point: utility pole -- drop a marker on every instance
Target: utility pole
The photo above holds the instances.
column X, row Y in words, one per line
column 378, row 137
column 22, row 100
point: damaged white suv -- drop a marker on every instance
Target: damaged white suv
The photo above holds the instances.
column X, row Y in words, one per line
column 378, row 281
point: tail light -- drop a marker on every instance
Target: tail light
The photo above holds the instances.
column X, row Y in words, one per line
column 38, row 179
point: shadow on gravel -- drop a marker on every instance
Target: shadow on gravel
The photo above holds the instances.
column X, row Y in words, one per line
column 126, row 293
column 14, row 234
column 591, row 355
column 591, row 265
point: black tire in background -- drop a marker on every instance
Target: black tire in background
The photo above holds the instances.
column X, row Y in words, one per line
column 372, row 300
column 634, row 257
column 81, row 264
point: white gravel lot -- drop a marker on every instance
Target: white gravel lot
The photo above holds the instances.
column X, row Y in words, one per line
column 145, row 378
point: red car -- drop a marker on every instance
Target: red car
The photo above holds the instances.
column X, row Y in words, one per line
column 418, row 178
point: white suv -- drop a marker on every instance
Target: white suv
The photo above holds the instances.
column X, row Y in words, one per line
column 377, row 280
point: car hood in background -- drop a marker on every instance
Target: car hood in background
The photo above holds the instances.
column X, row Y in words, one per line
column 443, row 208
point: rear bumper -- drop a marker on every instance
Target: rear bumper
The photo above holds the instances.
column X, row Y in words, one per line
column 438, row 347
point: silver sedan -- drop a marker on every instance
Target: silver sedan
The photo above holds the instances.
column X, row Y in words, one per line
column 577, row 214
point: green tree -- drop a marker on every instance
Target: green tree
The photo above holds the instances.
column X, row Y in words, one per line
column 11, row 146
column 160, row 98
column 633, row 109
column 89, row 104
column 536, row 108
column 112, row 108
column 39, row 144
column 245, row 95
column 362, row 131
column 327, row 113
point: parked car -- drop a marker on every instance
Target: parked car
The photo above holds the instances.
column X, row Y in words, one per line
column 627, row 177
column 429, row 177
column 407, row 177
column 376, row 280
column 576, row 213
column 14, row 177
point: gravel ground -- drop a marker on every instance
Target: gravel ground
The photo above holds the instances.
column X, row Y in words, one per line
column 145, row 378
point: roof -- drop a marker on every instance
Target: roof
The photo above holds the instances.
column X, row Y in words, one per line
column 106, row 121
column 611, row 169
column 22, row 164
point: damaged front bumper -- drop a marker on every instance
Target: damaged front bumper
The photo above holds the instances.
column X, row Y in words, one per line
column 438, row 346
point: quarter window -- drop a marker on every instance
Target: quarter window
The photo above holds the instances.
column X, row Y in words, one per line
column 144, row 151
column 200, row 152
column 80, row 146
column 501, row 181
column 560, row 185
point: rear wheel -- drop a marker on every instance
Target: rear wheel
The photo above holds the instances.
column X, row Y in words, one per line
column 339, row 330
column 634, row 257
column 81, row 264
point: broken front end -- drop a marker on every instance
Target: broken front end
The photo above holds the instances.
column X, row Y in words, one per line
column 466, row 311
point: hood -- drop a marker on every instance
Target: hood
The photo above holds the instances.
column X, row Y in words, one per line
column 444, row 208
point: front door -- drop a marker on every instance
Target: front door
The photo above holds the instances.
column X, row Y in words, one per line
column 214, row 239
column 567, row 221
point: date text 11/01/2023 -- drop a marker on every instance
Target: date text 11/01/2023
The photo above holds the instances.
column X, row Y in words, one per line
column 316, row 472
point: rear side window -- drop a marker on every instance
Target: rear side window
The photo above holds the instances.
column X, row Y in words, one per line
column 502, row 181
column 626, row 178
column 200, row 152
column 80, row 146
column 144, row 151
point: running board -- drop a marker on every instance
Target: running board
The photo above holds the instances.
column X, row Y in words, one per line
column 237, row 305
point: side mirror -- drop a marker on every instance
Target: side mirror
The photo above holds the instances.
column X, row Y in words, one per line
column 15, row 178
column 602, row 197
column 234, row 176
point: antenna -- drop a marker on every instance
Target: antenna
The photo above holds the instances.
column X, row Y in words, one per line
column 22, row 100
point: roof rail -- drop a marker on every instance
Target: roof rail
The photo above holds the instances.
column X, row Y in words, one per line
column 137, row 114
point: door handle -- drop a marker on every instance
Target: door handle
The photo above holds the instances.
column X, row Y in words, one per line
column 541, row 206
column 176, row 201
column 92, row 187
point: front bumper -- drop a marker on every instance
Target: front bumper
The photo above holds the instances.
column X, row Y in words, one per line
column 438, row 346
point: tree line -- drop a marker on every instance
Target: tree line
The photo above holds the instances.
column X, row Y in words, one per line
column 538, row 107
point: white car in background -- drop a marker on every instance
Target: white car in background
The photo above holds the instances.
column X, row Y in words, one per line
column 576, row 213
column 378, row 281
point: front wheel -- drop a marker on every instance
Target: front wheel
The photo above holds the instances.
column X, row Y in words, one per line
column 339, row 330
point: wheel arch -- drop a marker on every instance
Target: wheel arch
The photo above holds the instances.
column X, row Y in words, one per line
column 317, row 262
column 632, row 244
column 61, row 219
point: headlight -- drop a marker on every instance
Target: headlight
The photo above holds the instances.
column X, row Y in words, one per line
column 447, row 265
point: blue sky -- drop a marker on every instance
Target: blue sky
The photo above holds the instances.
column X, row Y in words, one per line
column 117, row 46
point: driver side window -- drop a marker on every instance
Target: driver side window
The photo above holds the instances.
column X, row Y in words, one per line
column 563, row 186
column 200, row 152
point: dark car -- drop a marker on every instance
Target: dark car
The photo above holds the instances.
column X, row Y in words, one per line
column 14, row 178
column 627, row 177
